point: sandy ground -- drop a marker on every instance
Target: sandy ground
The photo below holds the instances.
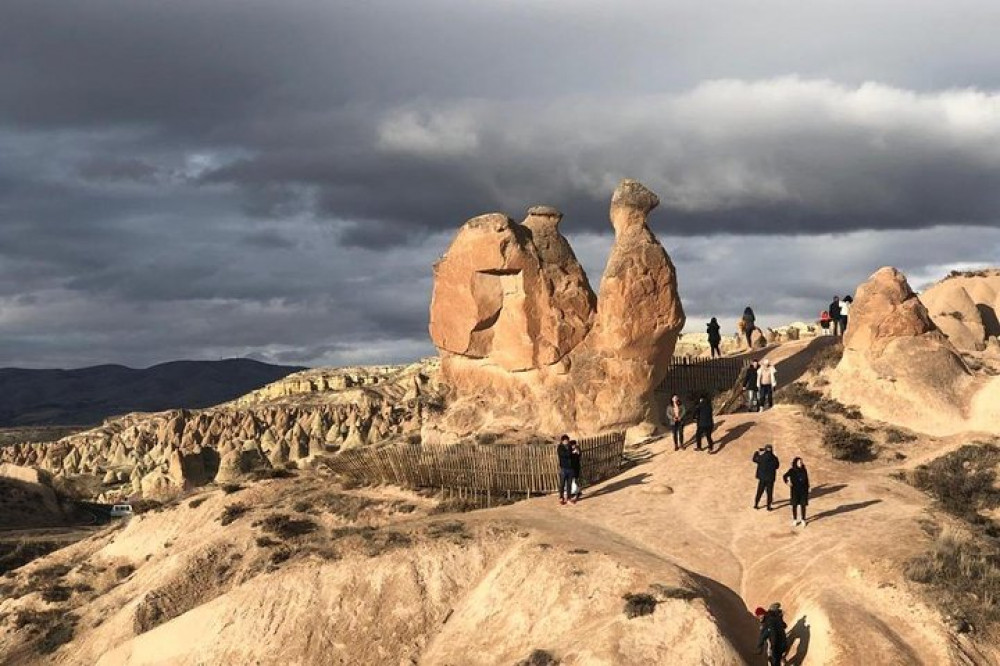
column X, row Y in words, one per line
column 488, row 587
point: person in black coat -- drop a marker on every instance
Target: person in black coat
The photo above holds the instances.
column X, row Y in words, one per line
column 749, row 324
column 797, row 478
column 565, row 470
column 575, row 458
column 750, row 386
column 714, row 337
column 767, row 471
column 705, row 422
column 835, row 320
column 772, row 635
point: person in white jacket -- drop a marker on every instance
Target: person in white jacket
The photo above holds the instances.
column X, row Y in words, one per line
column 767, row 381
column 845, row 310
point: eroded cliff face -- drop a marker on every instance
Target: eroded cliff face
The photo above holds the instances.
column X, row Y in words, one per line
column 526, row 345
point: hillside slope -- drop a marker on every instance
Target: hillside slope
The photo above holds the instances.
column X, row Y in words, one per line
column 89, row 395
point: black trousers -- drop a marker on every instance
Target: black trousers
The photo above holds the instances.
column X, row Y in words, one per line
column 715, row 349
column 762, row 487
column 678, row 435
column 766, row 395
column 706, row 432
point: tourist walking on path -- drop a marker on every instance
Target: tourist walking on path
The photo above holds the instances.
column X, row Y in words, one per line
column 797, row 478
column 576, row 459
column 705, row 421
column 772, row 635
column 714, row 337
column 676, row 413
column 565, row 470
column 750, row 386
column 749, row 322
column 834, row 311
column 845, row 310
column 767, row 381
column 767, row 471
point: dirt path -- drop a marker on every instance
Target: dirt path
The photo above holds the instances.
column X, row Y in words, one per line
column 838, row 578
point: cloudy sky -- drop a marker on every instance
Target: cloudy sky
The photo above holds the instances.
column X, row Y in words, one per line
column 223, row 178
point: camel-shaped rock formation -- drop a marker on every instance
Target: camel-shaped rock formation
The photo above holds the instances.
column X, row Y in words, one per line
column 524, row 342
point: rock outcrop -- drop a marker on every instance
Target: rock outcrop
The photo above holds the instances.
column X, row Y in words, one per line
column 525, row 344
column 897, row 365
column 965, row 307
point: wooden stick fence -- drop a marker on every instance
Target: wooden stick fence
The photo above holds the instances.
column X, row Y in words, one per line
column 695, row 375
column 479, row 468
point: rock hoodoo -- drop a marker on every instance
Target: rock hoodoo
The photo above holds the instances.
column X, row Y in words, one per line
column 965, row 307
column 524, row 342
column 897, row 365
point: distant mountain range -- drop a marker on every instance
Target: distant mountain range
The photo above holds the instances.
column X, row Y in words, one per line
column 89, row 395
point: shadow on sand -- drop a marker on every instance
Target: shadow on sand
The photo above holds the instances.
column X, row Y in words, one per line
column 731, row 436
column 614, row 486
column 798, row 638
column 826, row 489
column 844, row 508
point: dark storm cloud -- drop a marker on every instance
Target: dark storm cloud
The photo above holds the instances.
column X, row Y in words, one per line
column 244, row 177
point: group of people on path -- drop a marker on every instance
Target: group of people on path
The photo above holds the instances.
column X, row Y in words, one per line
column 796, row 478
column 759, row 382
column 833, row 320
column 703, row 418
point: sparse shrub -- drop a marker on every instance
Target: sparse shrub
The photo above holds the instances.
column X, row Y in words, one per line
column 846, row 445
column 486, row 438
column 539, row 658
column 145, row 506
column 124, row 571
column 963, row 481
column 232, row 512
column 348, row 507
column 55, row 626
column 196, row 502
column 286, row 527
column 302, row 506
column 56, row 593
column 826, row 358
column 637, row 605
column 664, row 592
column 14, row 555
column 382, row 541
column 798, row 393
column 265, row 473
column 897, row 436
column 964, row 574
column 265, row 542
column 230, row 488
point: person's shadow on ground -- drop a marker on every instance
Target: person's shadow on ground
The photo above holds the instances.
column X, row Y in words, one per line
column 731, row 436
column 798, row 636
column 826, row 489
column 844, row 508
column 635, row 480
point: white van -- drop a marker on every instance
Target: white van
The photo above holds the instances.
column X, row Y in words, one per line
column 121, row 511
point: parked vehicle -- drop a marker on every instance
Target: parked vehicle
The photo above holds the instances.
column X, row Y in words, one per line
column 121, row 511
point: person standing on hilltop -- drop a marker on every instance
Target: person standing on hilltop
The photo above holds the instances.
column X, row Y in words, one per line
column 576, row 460
column 767, row 380
column 750, row 386
column 676, row 413
column 767, row 471
column 714, row 337
column 749, row 323
column 845, row 310
column 706, row 423
column 834, row 311
column 797, row 478
column 565, row 470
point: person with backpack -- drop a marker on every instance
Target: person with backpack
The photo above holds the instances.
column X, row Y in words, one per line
column 767, row 470
column 772, row 635
column 714, row 337
column 565, row 470
column 676, row 413
column 797, row 478
column 749, row 322
column 767, row 381
column 705, row 423
column 750, row 386
column 576, row 460
column 834, row 311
